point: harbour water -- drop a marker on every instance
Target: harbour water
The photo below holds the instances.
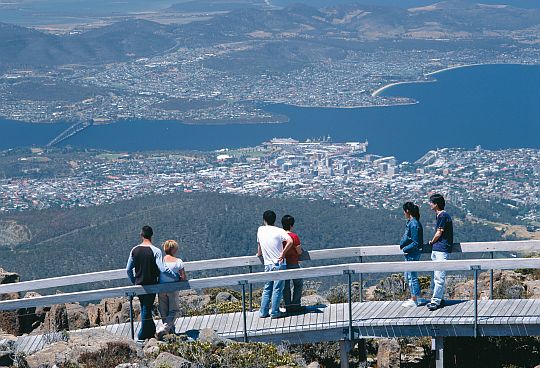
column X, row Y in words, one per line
column 495, row 106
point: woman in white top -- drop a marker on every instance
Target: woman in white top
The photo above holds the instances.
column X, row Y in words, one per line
column 168, row 302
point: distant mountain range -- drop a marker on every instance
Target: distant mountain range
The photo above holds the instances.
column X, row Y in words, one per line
column 299, row 33
column 24, row 47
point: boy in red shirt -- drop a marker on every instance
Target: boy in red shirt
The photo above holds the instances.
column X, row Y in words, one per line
column 292, row 305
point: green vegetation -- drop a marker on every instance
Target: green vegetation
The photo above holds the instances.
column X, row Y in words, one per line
column 234, row 354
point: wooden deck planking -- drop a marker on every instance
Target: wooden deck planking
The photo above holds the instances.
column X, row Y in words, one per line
column 506, row 316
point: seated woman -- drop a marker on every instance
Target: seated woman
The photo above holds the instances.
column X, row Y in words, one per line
column 411, row 244
column 168, row 301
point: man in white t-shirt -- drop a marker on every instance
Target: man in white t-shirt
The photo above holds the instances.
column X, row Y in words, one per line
column 270, row 239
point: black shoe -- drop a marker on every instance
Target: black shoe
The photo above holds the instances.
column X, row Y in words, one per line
column 296, row 310
column 433, row 306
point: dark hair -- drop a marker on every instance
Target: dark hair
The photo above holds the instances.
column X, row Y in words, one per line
column 412, row 209
column 287, row 222
column 147, row 232
column 269, row 217
column 438, row 200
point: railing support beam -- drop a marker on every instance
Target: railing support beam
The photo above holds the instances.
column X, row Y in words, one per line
column 475, row 269
column 349, row 274
column 131, row 323
column 244, row 311
column 251, row 292
column 437, row 345
column 361, row 281
column 344, row 349
column 491, row 279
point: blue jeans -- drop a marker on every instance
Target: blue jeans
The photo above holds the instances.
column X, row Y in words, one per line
column 148, row 327
column 439, row 278
column 294, row 303
column 272, row 290
column 412, row 277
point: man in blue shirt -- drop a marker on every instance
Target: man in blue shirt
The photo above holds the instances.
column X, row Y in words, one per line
column 441, row 246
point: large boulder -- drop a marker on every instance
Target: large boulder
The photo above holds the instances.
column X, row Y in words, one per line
column 169, row 360
column 56, row 319
column 388, row 354
column 210, row 336
column 7, row 277
column 190, row 301
column 225, row 296
column 36, row 316
column 532, row 288
column 86, row 341
column 13, row 322
column 112, row 311
column 313, row 300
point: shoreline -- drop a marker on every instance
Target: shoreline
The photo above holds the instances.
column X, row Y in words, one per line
column 430, row 74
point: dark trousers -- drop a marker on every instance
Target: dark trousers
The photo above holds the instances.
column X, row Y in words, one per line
column 148, row 327
column 294, row 303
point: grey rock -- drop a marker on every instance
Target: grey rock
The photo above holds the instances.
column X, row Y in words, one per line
column 412, row 354
column 86, row 341
column 388, row 354
column 314, row 299
column 210, row 336
column 224, row 296
column 128, row 365
column 189, row 300
column 151, row 347
column 7, row 277
column 173, row 361
column 314, row 365
column 57, row 353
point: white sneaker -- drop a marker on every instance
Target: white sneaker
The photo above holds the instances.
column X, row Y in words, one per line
column 409, row 303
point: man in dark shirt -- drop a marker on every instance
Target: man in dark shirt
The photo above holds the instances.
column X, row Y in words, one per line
column 292, row 257
column 147, row 262
column 441, row 246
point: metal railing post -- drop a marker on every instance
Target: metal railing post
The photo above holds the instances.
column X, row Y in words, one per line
column 244, row 312
column 361, row 281
column 250, row 292
column 475, row 269
column 491, row 280
column 130, row 296
column 349, row 274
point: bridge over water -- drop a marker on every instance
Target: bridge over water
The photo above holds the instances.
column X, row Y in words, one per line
column 70, row 131
column 345, row 322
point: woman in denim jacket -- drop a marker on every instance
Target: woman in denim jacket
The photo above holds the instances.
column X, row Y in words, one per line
column 411, row 245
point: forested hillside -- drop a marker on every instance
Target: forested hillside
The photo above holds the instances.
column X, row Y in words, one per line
column 206, row 225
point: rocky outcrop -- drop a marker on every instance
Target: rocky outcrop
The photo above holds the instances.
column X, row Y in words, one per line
column 388, row 354
column 314, row 299
column 210, row 336
column 112, row 311
column 189, row 301
column 12, row 322
column 506, row 285
column 64, row 317
column 169, row 360
column 84, row 342
column 225, row 296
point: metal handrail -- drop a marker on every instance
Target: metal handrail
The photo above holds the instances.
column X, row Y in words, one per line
column 221, row 263
column 250, row 278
